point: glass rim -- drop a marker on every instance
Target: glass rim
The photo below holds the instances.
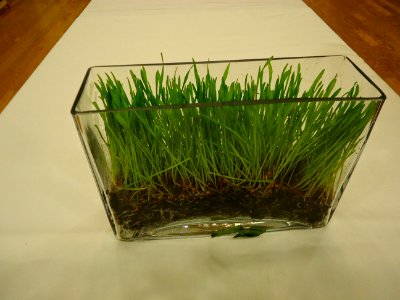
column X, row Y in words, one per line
column 74, row 111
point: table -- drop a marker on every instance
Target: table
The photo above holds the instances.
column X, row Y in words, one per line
column 55, row 239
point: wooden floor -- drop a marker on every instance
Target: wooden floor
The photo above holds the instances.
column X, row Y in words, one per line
column 371, row 28
column 29, row 29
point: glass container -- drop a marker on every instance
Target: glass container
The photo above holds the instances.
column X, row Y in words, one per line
column 192, row 148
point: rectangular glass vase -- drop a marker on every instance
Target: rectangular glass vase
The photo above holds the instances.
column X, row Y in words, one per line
column 190, row 148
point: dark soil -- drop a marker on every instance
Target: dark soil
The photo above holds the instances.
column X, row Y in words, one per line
column 137, row 210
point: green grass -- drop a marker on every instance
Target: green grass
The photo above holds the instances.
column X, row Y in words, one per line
column 204, row 144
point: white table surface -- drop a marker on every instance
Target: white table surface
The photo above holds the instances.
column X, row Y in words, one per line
column 56, row 242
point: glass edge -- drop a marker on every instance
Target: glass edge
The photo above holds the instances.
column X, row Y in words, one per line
column 225, row 104
column 383, row 95
column 216, row 61
column 80, row 91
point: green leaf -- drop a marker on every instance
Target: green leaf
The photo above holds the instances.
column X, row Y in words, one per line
column 253, row 231
column 225, row 231
column 240, row 231
column 225, row 75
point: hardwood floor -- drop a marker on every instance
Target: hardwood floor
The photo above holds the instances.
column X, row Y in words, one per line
column 370, row 27
column 28, row 31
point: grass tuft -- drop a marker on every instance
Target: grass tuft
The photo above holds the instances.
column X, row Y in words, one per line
column 301, row 144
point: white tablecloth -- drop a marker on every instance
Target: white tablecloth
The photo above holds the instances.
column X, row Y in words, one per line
column 56, row 242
